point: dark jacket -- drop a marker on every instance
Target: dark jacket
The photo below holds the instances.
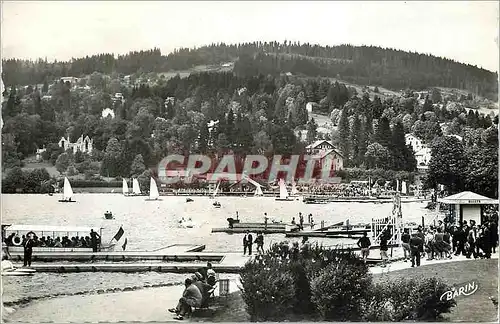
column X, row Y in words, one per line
column 250, row 238
column 383, row 243
column 364, row 242
column 28, row 245
column 416, row 243
column 204, row 288
column 405, row 238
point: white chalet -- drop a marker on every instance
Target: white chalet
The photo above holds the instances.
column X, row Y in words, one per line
column 421, row 150
column 322, row 150
column 84, row 145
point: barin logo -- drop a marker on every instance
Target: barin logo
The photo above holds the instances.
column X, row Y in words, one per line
column 466, row 289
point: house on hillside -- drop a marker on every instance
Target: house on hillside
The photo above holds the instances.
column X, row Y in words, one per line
column 423, row 157
column 416, row 143
column 84, row 145
column 323, row 150
column 421, row 150
column 71, row 80
column 108, row 112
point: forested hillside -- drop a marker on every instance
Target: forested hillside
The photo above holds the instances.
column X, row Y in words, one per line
column 363, row 65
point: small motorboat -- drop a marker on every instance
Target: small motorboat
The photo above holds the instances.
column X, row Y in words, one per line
column 189, row 200
column 108, row 215
column 216, row 204
column 186, row 223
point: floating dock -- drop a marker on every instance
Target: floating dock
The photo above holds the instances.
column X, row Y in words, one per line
column 226, row 263
column 176, row 252
column 270, row 228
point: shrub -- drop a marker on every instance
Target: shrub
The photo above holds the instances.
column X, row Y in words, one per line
column 268, row 290
column 407, row 299
column 340, row 290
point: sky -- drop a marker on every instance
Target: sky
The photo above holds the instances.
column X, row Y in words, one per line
column 463, row 31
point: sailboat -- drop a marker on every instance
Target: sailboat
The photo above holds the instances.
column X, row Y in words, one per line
column 153, row 191
column 136, row 190
column 216, row 190
column 67, row 192
column 283, row 192
column 258, row 192
column 125, row 188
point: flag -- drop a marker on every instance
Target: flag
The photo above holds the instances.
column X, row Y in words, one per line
column 119, row 234
column 124, row 244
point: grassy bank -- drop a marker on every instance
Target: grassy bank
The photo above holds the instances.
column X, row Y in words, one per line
column 477, row 307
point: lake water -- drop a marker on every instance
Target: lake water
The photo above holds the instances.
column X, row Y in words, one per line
column 154, row 224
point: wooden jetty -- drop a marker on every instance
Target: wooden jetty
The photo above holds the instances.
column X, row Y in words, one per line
column 230, row 263
column 270, row 228
column 175, row 252
column 227, row 263
column 330, row 199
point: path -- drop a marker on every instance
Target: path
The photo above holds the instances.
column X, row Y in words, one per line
column 146, row 305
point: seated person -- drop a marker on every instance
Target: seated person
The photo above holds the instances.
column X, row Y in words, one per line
column 211, row 276
column 191, row 297
column 202, row 286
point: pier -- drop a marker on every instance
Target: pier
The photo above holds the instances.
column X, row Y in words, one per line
column 175, row 252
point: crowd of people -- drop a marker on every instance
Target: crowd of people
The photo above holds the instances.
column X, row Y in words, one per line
column 198, row 289
column 31, row 240
column 64, row 242
column 442, row 241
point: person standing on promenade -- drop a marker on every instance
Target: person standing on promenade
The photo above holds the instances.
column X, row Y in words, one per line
column 94, row 239
column 260, row 242
column 28, row 250
column 416, row 245
column 247, row 243
column 383, row 249
column 301, row 221
column 364, row 243
column 265, row 220
column 405, row 238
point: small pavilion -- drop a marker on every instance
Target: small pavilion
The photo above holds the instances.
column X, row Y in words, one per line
column 467, row 206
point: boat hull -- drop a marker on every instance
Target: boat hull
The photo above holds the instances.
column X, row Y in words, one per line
column 284, row 199
column 66, row 201
column 149, row 199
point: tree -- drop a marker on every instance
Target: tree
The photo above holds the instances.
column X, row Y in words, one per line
column 137, row 167
column 312, row 130
column 436, row 95
column 343, row 130
column 447, row 164
column 63, row 162
column 262, row 142
column 377, row 156
column 355, row 139
column 383, row 134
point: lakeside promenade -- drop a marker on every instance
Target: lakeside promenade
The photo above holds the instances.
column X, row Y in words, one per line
column 151, row 304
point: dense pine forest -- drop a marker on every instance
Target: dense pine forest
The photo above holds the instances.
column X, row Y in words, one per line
column 362, row 65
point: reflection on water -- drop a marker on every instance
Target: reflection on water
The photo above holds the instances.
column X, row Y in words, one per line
column 150, row 225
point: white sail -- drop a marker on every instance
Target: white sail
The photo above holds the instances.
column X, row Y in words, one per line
column 283, row 191
column 258, row 191
column 68, row 192
column 135, row 187
column 294, row 191
column 216, row 190
column 403, row 187
column 153, row 190
column 125, row 187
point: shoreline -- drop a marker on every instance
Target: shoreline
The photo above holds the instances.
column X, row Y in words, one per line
column 150, row 303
